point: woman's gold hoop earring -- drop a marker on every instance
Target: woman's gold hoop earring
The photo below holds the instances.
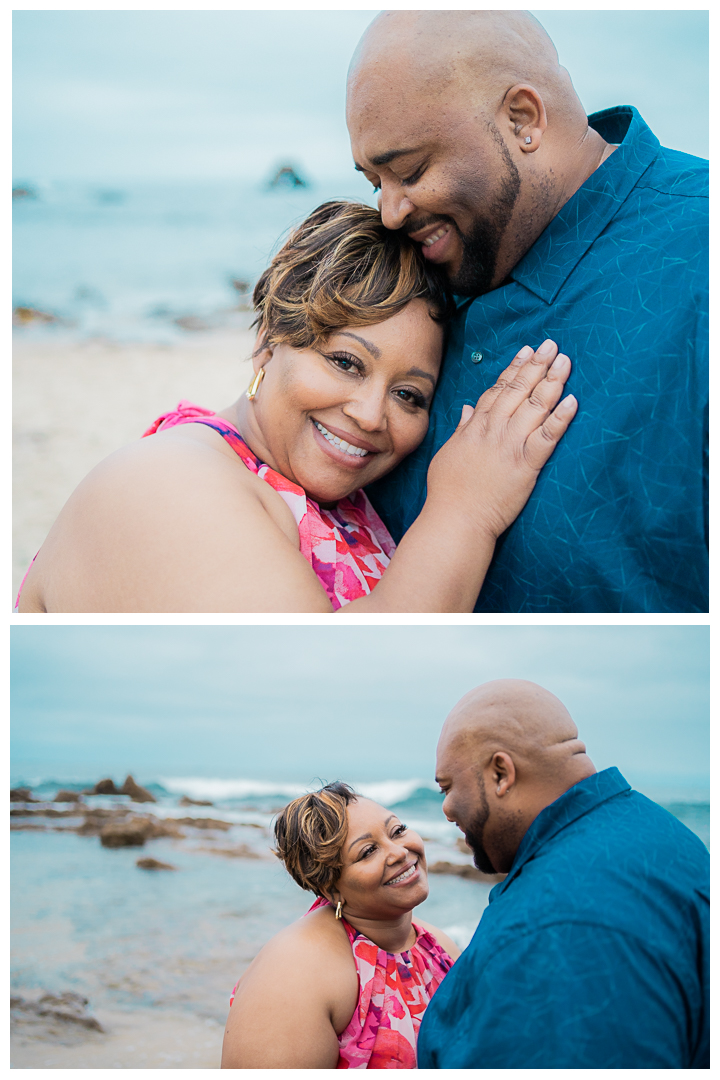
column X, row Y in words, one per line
column 253, row 387
column 338, row 910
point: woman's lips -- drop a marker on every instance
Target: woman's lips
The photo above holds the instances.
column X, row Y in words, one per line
column 348, row 461
column 399, row 879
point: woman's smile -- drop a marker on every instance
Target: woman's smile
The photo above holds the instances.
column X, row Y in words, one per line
column 346, row 449
column 406, row 875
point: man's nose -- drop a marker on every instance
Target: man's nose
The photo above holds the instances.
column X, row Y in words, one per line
column 394, row 206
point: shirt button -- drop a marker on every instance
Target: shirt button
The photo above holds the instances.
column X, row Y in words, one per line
column 476, row 357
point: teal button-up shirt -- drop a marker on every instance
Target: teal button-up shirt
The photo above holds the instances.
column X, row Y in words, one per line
column 593, row 953
column 618, row 519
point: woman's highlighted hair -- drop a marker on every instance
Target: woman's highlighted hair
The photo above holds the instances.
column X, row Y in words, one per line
column 310, row 834
column 342, row 267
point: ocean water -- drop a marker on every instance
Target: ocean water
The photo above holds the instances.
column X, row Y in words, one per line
column 86, row 918
column 127, row 262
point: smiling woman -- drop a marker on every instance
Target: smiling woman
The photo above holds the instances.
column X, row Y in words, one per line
column 351, row 986
column 260, row 507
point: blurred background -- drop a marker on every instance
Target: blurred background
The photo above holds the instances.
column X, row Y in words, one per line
column 159, row 159
column 219, row 727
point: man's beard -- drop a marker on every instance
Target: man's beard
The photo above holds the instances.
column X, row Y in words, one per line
column 474, row 835
column 481, row 245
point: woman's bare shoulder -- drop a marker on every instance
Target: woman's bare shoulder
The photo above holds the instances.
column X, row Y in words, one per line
column 173, row 523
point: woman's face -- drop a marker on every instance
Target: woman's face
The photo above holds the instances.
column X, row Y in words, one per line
column 335, row 417
column 384, row 870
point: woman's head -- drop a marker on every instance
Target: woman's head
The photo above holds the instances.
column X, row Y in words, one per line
column 342, row 846
column 350, row 321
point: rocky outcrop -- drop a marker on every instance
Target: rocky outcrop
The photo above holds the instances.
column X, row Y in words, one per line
column 68, row 796
column 154, row 864
column 204, row 823
column 67, row 1006
column 21, row 794
column 240, row 851
column 22, row 191
column 103, row 787
column 24, row 314
column 286, row 177
column 136, row 793
column 187, row 801
column 135, row 831
column 463, row 870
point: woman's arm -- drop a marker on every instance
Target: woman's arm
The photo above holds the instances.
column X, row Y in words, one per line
column 176, row 523
column 297, row 995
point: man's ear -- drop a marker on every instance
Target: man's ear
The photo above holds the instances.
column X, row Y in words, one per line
column 262, row 352
column 503, row 773
column 525, row 111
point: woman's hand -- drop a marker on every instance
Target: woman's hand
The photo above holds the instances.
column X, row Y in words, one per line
column 489, row 466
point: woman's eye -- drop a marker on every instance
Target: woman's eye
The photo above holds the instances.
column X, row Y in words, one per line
column 345, row 363
column 367, row 851
column 412, row 397
column 400, row 830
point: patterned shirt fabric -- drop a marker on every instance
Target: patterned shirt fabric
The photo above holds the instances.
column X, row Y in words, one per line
column 618, row 519
column 393, row 993
column 349, row 548
column 593, row 953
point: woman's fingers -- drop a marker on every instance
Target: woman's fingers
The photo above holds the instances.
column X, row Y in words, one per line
column 467, row 412
column 518, row 381
column 487, row 400
column 540, row 444
column 531, row 412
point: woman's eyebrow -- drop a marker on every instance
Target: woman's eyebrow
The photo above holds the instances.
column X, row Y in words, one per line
column 367, row 835
column 422, row 374
column 372, row 349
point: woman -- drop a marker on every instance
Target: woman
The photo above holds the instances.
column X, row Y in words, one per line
column 260, row 507
column 352, row 979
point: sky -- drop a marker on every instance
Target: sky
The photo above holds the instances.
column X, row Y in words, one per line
column 360, row 703
column 122, row 96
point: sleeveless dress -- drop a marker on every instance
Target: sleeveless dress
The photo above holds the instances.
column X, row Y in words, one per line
column 394, row 990
column 348, row 547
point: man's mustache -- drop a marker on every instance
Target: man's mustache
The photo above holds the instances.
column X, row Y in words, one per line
column 416, row 225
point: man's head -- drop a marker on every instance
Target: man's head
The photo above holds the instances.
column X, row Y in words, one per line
column 507, row 750
column 470, row 128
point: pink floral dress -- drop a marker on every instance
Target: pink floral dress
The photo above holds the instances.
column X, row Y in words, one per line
column 349, row 548
column 394, row 990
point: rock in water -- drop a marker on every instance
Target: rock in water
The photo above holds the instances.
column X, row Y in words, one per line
column 134, row 831
column 103, row 787
column 136, row 793
column 187, row 801
column 68, row 796
column 463, row 870
column 67, row 1006
column 286, row 177
column 154, row 864
column 21, row 794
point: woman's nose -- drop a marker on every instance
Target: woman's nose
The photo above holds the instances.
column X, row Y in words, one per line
column 368, row 410
column 394, row 206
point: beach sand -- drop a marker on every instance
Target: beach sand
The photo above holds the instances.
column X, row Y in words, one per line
column 141, row 1039
column 77, row 401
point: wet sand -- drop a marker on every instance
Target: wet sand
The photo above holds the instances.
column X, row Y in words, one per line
column 77, row 401
column 130, row 1040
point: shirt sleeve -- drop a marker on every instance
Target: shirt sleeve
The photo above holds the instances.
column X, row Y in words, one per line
column 572, row 996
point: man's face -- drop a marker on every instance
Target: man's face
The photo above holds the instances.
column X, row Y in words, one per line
column 465, row 800
column 444, row 172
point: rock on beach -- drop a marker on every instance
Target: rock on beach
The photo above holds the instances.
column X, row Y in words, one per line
column 154, row 864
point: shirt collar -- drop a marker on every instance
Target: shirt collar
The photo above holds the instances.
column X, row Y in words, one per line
column 577, row 801
column 558, row 250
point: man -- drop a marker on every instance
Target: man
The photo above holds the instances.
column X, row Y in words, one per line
column 594, row 951
column 551, row 225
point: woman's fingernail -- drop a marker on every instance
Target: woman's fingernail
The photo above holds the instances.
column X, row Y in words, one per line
column 546, row 347
column 567, row 405
column 525, row 353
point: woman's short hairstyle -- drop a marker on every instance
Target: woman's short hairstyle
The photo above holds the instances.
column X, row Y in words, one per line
column 310, row 834
column 342, row 267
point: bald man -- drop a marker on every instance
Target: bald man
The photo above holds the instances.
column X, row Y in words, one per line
column 550, row 224
column 594, row 951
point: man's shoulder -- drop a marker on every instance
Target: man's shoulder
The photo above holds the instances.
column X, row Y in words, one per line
column 675, row 173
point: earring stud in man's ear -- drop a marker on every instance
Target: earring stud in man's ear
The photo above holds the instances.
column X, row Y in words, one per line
column 528, row 140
